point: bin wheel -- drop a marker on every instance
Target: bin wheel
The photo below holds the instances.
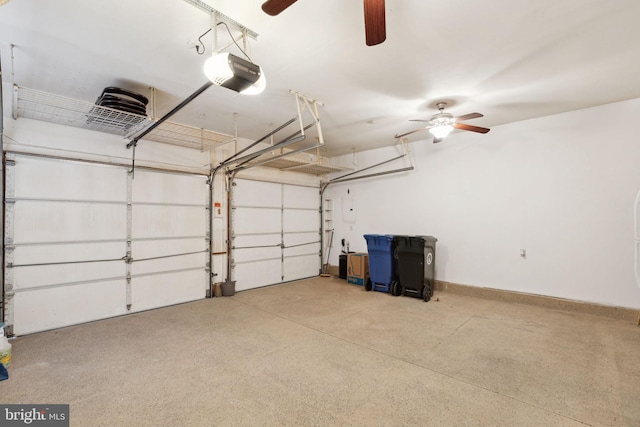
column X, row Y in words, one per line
column 368, row 285
column 426, row 293
column 396, row 288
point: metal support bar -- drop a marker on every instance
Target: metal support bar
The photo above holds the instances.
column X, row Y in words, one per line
column 169, row 256
column 129, row 235
column 42, row 199
column 302, row 244
column 103, row 163
column 367, row 168
column 273, row 132
column 175, row 205
column 410, row 168
column 281, row 144
column 277, row 245
column 10, row 265
column 177, row 108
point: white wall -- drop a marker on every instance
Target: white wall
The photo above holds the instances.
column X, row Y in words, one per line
column 562, row 187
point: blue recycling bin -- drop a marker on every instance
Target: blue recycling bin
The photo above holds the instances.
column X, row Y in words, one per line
column 383, row 267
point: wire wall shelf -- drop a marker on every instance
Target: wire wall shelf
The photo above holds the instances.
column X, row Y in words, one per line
column 48, row 107
column 38, row 105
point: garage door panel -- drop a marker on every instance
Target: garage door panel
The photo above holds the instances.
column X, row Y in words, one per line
column 62, row 214
column 168, row 221
column 303, row 243
column 35, row 277
column 256, row 193
column 27, row 275
column 291, row 238
column 301, row 266
column 257, row 274
column 296, row 196
column 257, row 240
column 252, row 220
column 301, row 220
column 160, row 290
column 291, row 213
column 63, row 306
column 42, row 178
column 170, row 254
column 54, row 222
column 245, row 255
column 67, row 252
column 163, row 187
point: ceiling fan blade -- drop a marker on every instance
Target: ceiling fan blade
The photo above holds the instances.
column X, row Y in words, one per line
column 419, row 120
column 274, row 7
column 464, row 126
column 410, row 132
column 374, row 22
column 469, row 116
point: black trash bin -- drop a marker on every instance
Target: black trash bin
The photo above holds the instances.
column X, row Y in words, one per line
column 416, row 261
column 342, row 265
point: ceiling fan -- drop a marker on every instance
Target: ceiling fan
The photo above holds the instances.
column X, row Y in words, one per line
column 374, row 17
column 441, row 124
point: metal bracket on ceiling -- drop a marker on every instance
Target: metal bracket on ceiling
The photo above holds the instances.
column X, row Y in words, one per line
column 312, row 105
column 217, row 18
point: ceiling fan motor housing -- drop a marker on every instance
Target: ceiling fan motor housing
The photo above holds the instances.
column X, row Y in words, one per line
column 442, row 119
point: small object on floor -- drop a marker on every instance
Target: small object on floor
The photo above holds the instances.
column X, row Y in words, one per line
column 5, row 347
column 437, row 299
column 4, row 375
column 228, row 288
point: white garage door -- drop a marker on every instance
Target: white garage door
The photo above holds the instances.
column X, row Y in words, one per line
column 168, row 239
column 275, row 236
column 85, row 242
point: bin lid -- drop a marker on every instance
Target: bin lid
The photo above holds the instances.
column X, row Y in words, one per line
column 412, row 240
column 373, row 237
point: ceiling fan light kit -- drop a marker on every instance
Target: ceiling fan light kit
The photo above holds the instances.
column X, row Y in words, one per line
column 440, row 125
column 441, row 131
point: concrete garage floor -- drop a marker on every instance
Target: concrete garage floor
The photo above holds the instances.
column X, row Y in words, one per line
column 322, row 352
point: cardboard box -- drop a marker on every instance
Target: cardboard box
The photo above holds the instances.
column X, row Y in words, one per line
column 358, row 268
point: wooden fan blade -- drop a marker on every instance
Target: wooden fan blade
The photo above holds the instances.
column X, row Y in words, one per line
column 374, row 22
column 469, row 116
column 409, row 133
column 274, row 7
column 464, row 126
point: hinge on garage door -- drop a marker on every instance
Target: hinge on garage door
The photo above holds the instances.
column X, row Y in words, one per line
column 128, row 291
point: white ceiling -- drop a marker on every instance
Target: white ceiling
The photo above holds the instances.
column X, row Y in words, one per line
column 510, row 60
